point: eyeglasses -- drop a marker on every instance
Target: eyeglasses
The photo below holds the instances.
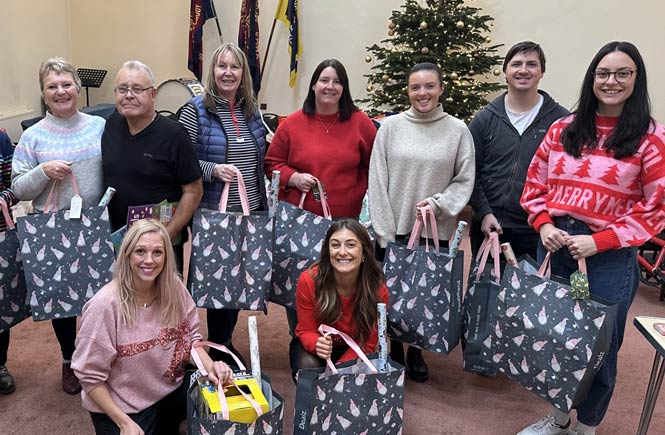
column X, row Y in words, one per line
column 122, row 90
column 621, row 76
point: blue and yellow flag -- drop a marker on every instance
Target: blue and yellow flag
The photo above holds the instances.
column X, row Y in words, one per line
column 287, row 12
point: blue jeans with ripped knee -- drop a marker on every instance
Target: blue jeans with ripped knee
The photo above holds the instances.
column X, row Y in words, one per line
column 614, row 276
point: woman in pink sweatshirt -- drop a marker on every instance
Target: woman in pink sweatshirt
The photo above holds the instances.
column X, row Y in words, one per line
column 135, row 340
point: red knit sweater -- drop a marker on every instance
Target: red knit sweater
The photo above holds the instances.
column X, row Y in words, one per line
column 307, row 329
column 621, row 200
column 338, row 157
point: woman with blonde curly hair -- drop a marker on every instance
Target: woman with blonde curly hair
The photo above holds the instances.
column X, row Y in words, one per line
column 135, row 340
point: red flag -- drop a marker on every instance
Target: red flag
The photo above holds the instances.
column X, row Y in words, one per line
column 248, row 39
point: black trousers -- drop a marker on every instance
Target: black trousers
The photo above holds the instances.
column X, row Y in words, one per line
column 300, row 358
column 4, row 347
column 162, row 418
column 65, row 332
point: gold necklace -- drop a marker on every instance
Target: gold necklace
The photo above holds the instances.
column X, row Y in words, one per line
column 327, row 126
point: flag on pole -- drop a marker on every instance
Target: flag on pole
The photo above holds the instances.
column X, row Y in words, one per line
column 199, row 12
column 248, row 39
column 287, row 12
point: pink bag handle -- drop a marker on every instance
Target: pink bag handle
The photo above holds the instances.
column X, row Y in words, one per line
column 5, row 212
column 242, row 191
column 546, row 268
column 50, row 200
column 491, row 243
column 324, row 201
column 326, row 330
column 427, row 213
column 220, row 387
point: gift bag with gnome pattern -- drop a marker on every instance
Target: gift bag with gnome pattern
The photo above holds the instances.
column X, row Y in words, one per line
column 547, row 340
column 200, row 421
column 483, row 289
column 425, row 291
column 298, row 238
column 67, row 256
column 350, row 398
column 14, row 304
column 231, row 260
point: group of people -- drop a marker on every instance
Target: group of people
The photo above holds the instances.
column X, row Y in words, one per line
column 583, row 185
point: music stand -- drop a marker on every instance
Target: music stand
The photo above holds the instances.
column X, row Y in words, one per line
column 90, row 78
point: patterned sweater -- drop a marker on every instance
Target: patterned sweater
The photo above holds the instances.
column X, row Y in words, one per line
column 621, row 200
column 139, row 365
column 76, row 139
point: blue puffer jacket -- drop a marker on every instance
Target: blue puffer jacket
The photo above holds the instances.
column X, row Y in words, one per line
column 211, row 147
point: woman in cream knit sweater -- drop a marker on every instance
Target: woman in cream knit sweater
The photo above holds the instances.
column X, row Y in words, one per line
column 423, row 156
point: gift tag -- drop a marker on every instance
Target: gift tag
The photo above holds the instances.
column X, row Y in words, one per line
column 75, row 207
column 317, row 194
column 579, row 285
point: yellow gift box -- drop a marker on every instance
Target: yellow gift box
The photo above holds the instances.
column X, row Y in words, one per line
column 240, row 410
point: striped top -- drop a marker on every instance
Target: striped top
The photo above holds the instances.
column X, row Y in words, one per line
column 6, row 153
column 241, row 149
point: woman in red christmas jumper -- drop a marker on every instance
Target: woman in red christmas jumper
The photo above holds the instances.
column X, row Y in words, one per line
column 330, row 139
column 595, row 190
column 342, row 291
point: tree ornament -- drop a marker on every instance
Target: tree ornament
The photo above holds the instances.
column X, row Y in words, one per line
column 453, row 76
column 368, row 59
column 488, row 40
column 449, row 100
column 423, row 25
column 496, row 72
column 460, row 25
column 385, row 77
column 392, row 25
column 424, row 50
column 472, row 72
column 469, row 26
column 370, row 88
column 391, row 32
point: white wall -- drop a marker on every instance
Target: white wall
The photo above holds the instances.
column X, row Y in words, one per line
column 103, row 34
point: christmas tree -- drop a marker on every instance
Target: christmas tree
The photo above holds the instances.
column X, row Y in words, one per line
column 445, row 32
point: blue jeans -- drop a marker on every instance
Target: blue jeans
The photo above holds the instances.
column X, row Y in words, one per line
column 614, row 276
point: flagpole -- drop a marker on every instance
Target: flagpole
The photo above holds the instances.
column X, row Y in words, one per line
column 219, row 29
column 272, row 31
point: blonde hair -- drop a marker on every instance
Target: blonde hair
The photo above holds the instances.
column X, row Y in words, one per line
column 168, row 281
column 246, row 88
column 57, row 65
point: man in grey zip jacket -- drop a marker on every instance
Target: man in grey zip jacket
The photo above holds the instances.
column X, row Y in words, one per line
column 506, row 135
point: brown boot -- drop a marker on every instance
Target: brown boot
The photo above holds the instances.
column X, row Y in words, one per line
column 70, row 383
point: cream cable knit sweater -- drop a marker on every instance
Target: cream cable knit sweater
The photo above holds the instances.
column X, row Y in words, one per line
column 419, row 156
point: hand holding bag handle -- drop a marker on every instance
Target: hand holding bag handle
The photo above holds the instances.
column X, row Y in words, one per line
column 324, row 200
column 242, row 191
column 546, row 268
column 220, row 387
column 5, row 212
column 51, row 201
column 491, row 243
column 427, row 213
column 326, row 330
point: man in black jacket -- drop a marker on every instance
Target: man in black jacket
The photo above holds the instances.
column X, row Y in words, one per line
column 506, row 135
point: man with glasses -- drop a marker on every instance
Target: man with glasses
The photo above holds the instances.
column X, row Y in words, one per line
column 146, row 157
column 506, row 134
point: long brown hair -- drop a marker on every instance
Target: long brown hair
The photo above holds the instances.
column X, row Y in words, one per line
column 370, row 279
column 168, row 280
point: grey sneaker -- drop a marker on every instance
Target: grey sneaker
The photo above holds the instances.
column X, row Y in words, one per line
column 7, row 384
column 546, row 426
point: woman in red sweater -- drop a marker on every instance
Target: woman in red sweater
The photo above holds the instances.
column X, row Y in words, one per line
column 340, row 290
column 594, row 190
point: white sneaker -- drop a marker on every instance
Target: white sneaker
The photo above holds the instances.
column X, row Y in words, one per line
column 545, row 426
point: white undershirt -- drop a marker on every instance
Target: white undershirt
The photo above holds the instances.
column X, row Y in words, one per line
column 523, row 120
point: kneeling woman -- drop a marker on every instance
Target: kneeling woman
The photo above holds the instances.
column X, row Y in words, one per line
column 135, row 339
column 340, row 290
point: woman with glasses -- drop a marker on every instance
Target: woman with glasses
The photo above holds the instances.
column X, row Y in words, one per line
column 594, row 190
column 65, row 144
column 227, row 130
